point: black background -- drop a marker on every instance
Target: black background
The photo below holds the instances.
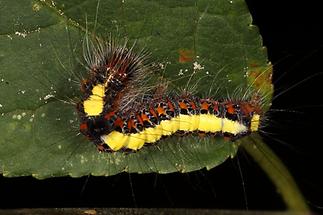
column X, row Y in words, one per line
column 292, row 33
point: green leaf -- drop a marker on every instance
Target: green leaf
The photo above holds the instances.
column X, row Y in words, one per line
column 40, row 51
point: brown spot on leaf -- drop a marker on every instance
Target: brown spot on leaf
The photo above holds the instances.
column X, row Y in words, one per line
column 260, row 75
column 185, row 55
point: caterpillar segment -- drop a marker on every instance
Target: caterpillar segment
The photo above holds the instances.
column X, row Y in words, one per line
column 114, row 71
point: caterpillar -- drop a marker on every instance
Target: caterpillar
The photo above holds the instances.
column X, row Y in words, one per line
column 118, row 113
column 173, row 98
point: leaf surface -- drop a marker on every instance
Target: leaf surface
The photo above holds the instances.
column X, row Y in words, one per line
column 203, row 45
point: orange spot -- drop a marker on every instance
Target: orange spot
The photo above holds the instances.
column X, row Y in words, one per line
column 160, row 110
column 230, row 108
column 83, row 127
column 144, row 117
column 185, row 55
column 118, row 122
column 182, row 105
column 204, row 106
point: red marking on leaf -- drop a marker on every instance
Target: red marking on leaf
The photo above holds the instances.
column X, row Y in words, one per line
column 185, row 55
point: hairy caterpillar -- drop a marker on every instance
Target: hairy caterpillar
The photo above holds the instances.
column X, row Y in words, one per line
column 80, row 145
column 113, row 122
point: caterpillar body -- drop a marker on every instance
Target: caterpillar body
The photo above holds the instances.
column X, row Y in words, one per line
column 157, row 119
column 118, row 111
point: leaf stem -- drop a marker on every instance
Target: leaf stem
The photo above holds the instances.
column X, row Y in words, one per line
column 276, row 171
